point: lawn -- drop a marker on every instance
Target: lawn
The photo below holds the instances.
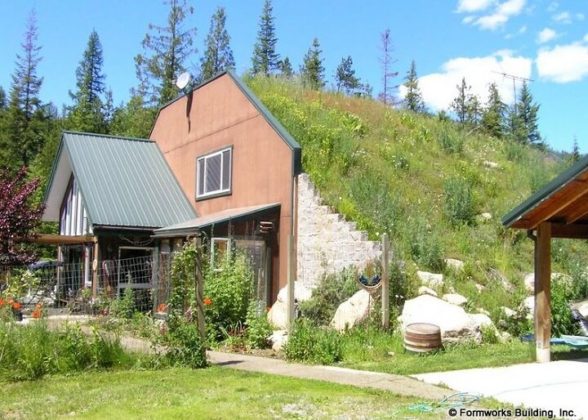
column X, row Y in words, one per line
column 184, row 393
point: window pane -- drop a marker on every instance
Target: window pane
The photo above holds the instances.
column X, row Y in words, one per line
column 227, row 169
column 213, row 169
column 200, row 177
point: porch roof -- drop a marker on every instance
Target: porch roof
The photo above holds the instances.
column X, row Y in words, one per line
column 124, row 182
column 563, row 202
column 223, row 216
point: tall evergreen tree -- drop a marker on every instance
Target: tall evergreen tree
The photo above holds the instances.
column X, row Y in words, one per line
column 388, row 94
column 87, row 112
column 218, row 55
column 166, row 50
column 473, row 110
column 526, row 112
column 494, row 113
column 285, row 68
column 23, row 136
column 265, row 58
column 2, row 98
column 413, row 100
column 460, row 102
column 575, row 156
column 312, row 70
column 345, row 78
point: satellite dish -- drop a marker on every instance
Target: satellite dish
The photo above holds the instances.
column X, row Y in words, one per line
column 183, row 80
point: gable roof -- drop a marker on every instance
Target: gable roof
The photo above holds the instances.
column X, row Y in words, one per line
column 261, row 108
column 563, row 202
column 124, row 182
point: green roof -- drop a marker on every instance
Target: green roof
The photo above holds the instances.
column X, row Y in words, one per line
column 544, row 193
column 124, row 182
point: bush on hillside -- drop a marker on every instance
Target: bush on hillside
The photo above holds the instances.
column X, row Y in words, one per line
column 310, row 343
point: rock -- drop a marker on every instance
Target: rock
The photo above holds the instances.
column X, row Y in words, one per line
column 508, row 313
column 301, row 293
column 454, row 322
column 582, row 307
column 278, row 314
column 504, row 337
column 430, row 279
column 479, row 287
column 455, row 299
column 481, row 320
column 529, row 304
column 483, row 311
column 455, row 265
column 529, row 280
column 486, row 216
column 278, row 339
column 424, row 290
column 490, row 164
column 353, row 311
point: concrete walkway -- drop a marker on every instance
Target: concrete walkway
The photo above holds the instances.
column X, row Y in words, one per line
column 397, row 384
column 555, row 386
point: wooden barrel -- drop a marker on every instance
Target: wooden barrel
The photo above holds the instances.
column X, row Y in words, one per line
column 422, row 337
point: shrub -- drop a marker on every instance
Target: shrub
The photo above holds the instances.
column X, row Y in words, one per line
column 328, row 295
column 124, row 307
column 459, row 202
column 258, row 327
column 561, row 314
column 425, row 247
column 186, row 348
column 228, row 291
column 309, row 343
column 450, row 142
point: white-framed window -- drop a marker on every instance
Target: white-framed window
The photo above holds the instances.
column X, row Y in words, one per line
column 213, row 173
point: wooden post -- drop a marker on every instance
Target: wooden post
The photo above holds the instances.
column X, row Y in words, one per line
column 291, row 263
column 542, row 314
column 385, row 283
column 95, row 268
column 199, row 286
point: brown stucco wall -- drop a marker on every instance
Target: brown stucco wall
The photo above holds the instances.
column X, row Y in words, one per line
column 217, row 115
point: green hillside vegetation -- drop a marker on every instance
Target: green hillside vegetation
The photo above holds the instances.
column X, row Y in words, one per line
column 427, row 183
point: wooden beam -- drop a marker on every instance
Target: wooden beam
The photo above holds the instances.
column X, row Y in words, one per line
column 53, row 239
column 560, row 230
column 558, row 202
column 543, row 292
column 577, row 213
column 385, row 283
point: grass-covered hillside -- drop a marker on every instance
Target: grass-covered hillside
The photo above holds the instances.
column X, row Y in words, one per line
column 439, row 190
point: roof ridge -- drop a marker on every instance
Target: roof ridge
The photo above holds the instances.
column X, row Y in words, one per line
column 109, row 136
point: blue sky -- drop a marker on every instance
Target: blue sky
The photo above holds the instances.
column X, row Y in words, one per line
column 542, row 40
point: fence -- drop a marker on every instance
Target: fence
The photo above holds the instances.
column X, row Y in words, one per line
column 59, row 285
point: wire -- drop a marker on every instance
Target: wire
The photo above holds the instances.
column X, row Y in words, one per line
column 457, row 400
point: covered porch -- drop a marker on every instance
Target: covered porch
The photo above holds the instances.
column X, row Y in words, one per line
column 558, row 210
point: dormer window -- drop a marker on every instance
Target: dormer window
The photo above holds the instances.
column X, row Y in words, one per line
column 213, row 174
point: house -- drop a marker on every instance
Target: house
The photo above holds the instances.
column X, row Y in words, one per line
column 218, row 163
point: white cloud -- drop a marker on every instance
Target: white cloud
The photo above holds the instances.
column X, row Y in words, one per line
column 470, row 6
column 546, row 35
column 439, row 89
column 501, row 13
column 552, row 6
column 563, row 17
column 563, row 63
column 580, row 16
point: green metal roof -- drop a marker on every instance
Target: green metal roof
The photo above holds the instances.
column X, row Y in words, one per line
column 125, row 182
column 544, row 193
column 223, row 216
column 261, row 108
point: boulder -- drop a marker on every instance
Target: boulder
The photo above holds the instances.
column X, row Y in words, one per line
column 582, row 307
column 430, row 279
column 278, row 339
column 480, row 287
column 455, row 299
column 508, row 313
column 529, row 304
column 491, row 165
column 424, row 290
column 353, row 311
column 278, row 314
column 454, row 322
column 454, row 264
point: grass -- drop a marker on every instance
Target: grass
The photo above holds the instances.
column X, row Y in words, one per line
column 207, row 393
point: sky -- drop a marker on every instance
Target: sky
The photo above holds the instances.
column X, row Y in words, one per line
column 485, row 41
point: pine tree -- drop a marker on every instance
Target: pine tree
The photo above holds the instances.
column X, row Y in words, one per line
column 575, row 156
column 388, row 94
column 312, row 70
column 493, row 115
column 285, row 68
column 23, row 136
column 218, row 55
column 166, row 50
column 345, row 76
column 413, row 100
column 133, row 119
column 265, row 59
column 87, row 112
column 527, row 111
column 2, row 98
column 460, row 102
